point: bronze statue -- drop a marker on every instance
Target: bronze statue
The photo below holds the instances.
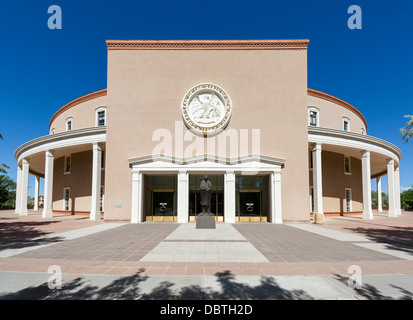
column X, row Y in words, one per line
column 206, row 193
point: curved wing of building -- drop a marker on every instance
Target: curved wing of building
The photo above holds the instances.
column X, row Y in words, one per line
column 237, row 111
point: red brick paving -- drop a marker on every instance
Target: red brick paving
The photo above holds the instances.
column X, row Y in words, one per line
column 72, row 267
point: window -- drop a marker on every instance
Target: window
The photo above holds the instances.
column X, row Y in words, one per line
column 347, row 165
column 102, row 160
column 101, row 116
column 52, row 131
column 312, row 199
column 347, row 199
column 102, row 193
column 313, row 116
column 346, row 124
column 363, row 131
column 66, row 197
column 311, row 159
column 68, row 164
column 69, row 124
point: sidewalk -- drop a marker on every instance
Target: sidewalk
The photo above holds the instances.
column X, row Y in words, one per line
column 242, row 260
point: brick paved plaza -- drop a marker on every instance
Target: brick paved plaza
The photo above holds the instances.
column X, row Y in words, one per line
column 257, row 255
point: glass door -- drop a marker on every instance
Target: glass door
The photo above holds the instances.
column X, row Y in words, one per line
column 250, row 205
column 163, row 205
column 160, row 198
column 251, row 198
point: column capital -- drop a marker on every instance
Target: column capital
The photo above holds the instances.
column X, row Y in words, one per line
column 390, row 162
column 97, row 146
column 317, row 146
column 365, row 153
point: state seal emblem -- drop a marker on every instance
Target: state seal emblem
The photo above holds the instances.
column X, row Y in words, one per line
column 206, row 108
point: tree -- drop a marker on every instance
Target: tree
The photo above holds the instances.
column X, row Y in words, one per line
column 3, row 166
column 7, row 189
column 406, row 198
column 384, row 199
column 407, row 131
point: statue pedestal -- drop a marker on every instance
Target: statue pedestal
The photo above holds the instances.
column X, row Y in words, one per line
column 205, row 221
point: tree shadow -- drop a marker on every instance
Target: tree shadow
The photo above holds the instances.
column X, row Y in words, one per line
column 395, row 238
column 370, row 292
column 19, row 234
column 129, row 288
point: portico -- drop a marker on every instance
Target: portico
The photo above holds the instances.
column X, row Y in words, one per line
column 38, row 157
column 373, row 154
column 180, row 173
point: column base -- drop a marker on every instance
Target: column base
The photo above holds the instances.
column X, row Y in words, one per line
column 368, row 215
column 47, row 214
column 95, row 216
column 318, row 218
column 24, row 212
column 392, row 213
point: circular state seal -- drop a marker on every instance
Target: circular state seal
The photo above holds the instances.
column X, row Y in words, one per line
column 206, row 108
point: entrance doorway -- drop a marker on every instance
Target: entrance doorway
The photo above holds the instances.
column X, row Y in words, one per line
column 160, row 198
column 217, row 198
column 252, row 198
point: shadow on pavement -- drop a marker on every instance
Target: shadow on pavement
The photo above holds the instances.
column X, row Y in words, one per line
column 395, row 238
column 370, row 292
column 15, row 235
column 128, row 288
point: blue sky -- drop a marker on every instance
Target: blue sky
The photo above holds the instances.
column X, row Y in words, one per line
column 43, row 69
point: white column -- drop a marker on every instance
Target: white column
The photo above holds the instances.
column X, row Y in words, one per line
column 366, row 180
column 391, row 189
column 24, row 188
column 183, row 196
column 397, row 190
column 276, row 212
column 36, row 193
column 379, row 197
column 18, row 188
column 318, row 185
column 96, row 177
column 48, row 186
column 137, row 197
column 229, row 197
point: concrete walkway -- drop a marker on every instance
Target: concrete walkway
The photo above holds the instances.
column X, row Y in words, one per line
column 101, row 260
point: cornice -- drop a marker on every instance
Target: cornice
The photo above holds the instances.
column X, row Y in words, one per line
column 61, row 136
column 355, row 136
column 329, row 97
column 207, row 157
column 207, row 44
column 75, row 102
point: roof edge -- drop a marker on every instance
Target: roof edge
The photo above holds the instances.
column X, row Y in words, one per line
column 329, row 97
column 207, row 44
column 86, row 97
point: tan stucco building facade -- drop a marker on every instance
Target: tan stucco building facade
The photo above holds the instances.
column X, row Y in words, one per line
column 238, row 111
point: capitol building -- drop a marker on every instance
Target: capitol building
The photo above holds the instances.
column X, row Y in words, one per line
column 239, row 111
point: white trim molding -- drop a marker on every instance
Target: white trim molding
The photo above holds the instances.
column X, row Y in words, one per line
column 353, row 140
column 61, row 140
